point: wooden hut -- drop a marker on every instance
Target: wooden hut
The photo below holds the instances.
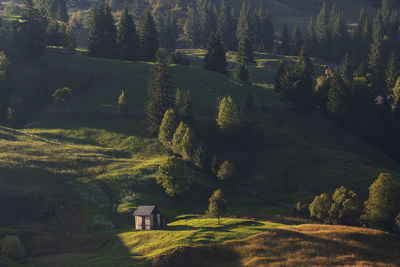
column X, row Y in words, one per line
column 149, row 218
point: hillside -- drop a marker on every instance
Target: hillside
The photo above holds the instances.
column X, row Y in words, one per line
column 85, row 161
column 303, row 245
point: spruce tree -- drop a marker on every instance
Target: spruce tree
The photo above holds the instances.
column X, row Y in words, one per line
column 191, row 27
column 123, row 103
column 148, row 37
column 174, row 177
column 226, row 29
column 127, row 37
column 207, row 21
column 4, row 93
column 244, row 30
column 215, row 58
column 159, row 95
column 177, row 138
column 278, row 76
column 337, row 97
column 228, row 119
column 200, row 157
column 392, row 71
column 183, row 106
column 296, row 41
column 245, row 53
column 303, row 93
column 377, row 67
column 285, row 41
column 217, row 205
column 241, row 73
column 346, row 71
column 30, row 32
column 168, row 128
column 188, row 144
column 102, row 32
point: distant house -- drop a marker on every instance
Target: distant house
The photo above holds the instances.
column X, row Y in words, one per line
column 149, row 218
column 330, row 69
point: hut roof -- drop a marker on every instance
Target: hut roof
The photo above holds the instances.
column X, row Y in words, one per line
column 145, row 210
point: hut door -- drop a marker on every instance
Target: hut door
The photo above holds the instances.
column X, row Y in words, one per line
column 143, row 223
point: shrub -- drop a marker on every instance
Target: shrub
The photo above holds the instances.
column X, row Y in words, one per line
column 62, row 95
column 11, row 247
column 177, row 57
column 397, row 222
column 226, row 171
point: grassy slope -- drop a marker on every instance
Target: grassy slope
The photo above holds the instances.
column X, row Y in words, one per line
column 304, row 245
column 287, row 156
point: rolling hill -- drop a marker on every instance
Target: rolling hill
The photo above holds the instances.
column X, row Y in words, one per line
column 84, row 168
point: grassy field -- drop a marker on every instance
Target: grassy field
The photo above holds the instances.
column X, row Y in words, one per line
column 85, row 161
column 303, row 245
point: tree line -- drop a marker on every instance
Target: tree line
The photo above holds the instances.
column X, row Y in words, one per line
column 381, row 209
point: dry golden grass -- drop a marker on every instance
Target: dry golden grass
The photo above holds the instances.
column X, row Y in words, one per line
column 304, row 245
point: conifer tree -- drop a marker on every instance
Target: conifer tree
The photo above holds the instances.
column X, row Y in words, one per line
column 177, row 138
column 191, row 27
column 127, row 37
column 174, row 177
column 188, row 144
column 337, row 97
column 228, row 119
column 346, row 71
column 361, row 38
column 245, row 55
column 226, row 28
column 148, row 37
column 183, row 106
column 304, row 87
column 102, row 32
column 278, row 76
column 285, row 41
column 244, row 30
column 263, row 30
column 123, row 103
column 30, row 32
column 199, row 157
column 392, row 71
column 217, row 205
column 310, row 39
column 159, row 95
column 168, row 128
column 241, row 73
column 207, row 21
column 215, row 58
column 377, row 67
column 214, row 165
column 296, row 41
column 4, row 94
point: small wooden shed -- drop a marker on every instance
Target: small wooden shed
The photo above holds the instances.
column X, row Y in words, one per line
column 149, row 218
